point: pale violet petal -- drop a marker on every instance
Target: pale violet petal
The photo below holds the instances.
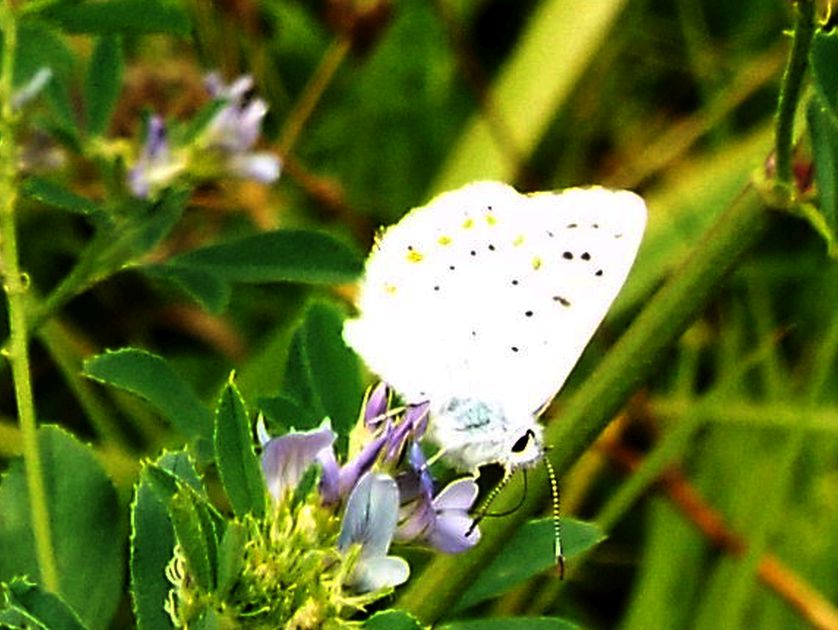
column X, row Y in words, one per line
column 214, row 84
column 250, row 123
column 453, row 533
column 372, row 574
column 239, row 88
column 416, row 519
column 285, row 459
column 371, row 514
column 457, row 495
column 330, row 477
column 361, row 463
column 263, row 167
column 376, row 406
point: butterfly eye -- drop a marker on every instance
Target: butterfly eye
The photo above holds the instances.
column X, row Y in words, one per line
column 522, row 442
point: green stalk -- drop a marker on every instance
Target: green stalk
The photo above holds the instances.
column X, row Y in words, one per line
column 630, row 362
column 15, row 286
column 791, row 88
column 59, row 343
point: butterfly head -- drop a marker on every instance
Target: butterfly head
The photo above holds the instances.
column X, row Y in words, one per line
column 525, row 447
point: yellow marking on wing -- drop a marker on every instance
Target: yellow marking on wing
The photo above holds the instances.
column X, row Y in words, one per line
column 376, row 239
column 519, row 240
column 444, row 240
column 490, row 219
column 536, row 263
column 390, row 289
column 468, row 224
column 414, row 256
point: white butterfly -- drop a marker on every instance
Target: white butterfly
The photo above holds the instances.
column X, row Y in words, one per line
column 482, row 301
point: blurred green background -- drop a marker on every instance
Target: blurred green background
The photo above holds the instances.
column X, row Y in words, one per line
column 377, row 105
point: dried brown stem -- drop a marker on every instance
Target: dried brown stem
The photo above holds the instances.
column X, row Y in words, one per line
column 774, row 573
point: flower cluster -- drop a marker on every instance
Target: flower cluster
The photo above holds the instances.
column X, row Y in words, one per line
column 322, row 554
column 386, row 488
column 224, row 146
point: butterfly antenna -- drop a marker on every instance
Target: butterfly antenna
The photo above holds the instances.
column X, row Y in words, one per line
column 518, row 505
column 557, row 518
column 484, row 510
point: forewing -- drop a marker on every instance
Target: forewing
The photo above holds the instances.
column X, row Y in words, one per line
column 492, row 294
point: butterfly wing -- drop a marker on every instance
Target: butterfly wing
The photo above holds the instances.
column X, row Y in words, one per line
column 491, row 294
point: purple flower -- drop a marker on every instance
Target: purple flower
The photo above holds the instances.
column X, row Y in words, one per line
column 156, row 167
column 236, row 127
column 375, row 406
column 413, row 424
column 337, row 481
column 286, row 458
column 370, row 520
column 261, row 167
column 442, row 520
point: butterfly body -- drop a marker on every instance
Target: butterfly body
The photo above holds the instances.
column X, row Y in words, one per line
column 481, row 303
column 474, row 433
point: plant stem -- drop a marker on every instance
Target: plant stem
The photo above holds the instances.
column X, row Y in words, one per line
column 314, row 90
column 588, row 412
column 15, row 286
column 791, row 88
column 59, row 343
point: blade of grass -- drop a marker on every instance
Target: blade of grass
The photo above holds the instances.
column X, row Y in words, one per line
column 555, row 49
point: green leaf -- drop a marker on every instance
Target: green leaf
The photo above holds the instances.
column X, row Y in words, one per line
column 25, row 605
column 172, row 486
column 181, row 466
column 210, row 291
column 152, row 535
column 824, row 52
column 174, row 472
column 529, row 553
column 512, row 623
column 195, row 537
column 327, row 366
column 823, row 131
column 237, row 463
column 153, row 379
column 64, row 126
column 307, row 483
column 54, row 194
column 86, row 533
column 40, row 45
column 208, row 620
column 186, row 133
column 296, row 382
column 104, row 83
column 392, row 620
column 149, row 224
column 280, row 256
column 120, row 17
column 152, row 542
column 283, row 413
column 230, row 557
